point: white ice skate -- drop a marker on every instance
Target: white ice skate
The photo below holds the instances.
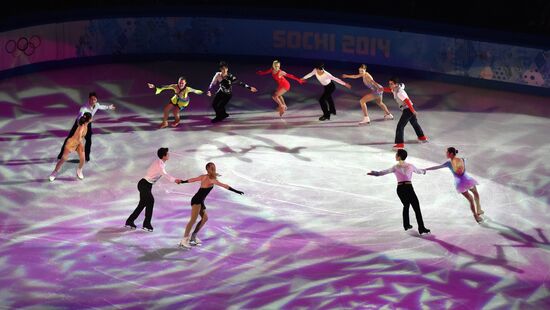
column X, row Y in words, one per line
column 365, row 121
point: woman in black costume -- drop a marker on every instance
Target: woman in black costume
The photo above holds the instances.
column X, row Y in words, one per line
column 208, row 181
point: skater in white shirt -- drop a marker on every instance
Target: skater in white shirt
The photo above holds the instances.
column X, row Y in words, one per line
column 326, row 79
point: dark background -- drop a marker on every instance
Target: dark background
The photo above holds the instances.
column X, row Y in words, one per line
column 529, row 19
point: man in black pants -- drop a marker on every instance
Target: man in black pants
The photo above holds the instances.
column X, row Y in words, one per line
column 403, row 172
column 408, row 115
column 326, row 79
column 146, row 200
column 91, row 107
column 224, row 93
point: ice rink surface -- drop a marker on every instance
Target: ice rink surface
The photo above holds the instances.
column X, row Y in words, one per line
column 312, row 231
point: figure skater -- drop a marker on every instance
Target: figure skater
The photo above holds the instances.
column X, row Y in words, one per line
column 91, row 107
column 146, row 200
column 282, row 84
column 178, row 102
column 408, row 113
column 463, row 181
column 403, row 172
column 326, row 101
column 75, row 143
column 197, row 203
column 376, row 93
column 224, row 92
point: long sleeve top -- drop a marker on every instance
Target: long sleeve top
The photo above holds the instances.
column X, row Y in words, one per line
column 403, row 172
column 278, row 77
column 324, row 78
column 226, row 83
column 156, row 170
column 181, row 96
column 92, row 109
column 401, row 97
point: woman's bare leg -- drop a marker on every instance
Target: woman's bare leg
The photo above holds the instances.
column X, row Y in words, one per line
column 278, row 98
column 363, row 101
column 81, row 156
column 165, row 111
column 60, row 162
column 380, row 103
column 195, row 209
column 176, row 112
column 472, row 206
column 476, row 198
column 204, row 219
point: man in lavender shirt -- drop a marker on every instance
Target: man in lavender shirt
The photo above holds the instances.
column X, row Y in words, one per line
column 403, row 172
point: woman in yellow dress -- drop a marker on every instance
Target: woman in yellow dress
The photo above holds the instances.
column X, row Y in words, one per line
column 178, row 102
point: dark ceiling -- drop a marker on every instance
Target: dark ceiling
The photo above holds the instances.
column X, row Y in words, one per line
column 524, row 17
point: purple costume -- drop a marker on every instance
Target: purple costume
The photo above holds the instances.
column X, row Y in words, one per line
column 463, row 182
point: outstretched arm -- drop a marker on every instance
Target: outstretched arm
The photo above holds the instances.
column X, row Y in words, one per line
column 243, row 84
column 158, row 90
column 227, row 187
column 351, row 76
column 419, row 171
column 291, row 76
column 307, row 76
column 337, row 80
column 265, row 72
column 383, row 172
column 171, row 178
column 191, row 180
column 196, row 91
column 105, row 107
column 437, row 167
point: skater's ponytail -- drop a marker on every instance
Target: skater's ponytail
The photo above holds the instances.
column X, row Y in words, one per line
column 452, row 150
column 211, row 176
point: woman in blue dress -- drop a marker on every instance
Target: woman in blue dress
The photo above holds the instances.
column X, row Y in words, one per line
column 463, row 182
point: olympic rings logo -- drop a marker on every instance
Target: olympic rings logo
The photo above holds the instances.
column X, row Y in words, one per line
column 27, row 46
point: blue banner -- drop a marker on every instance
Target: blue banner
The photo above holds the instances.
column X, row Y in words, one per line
column 219, row 36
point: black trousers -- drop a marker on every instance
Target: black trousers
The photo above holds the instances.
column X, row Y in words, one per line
column 88, row 137
column 220, row 101
column 408, row 197
column 326, row 102
column 407, row 116
column 146, row 200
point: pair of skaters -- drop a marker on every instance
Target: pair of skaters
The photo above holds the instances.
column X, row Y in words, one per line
column 74, row 143
column 403, row 171
column 77, row 135
column 180, row 100
column 156, row 170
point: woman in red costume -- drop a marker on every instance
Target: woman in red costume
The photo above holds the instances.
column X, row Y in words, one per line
column 282, row 84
